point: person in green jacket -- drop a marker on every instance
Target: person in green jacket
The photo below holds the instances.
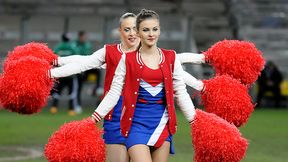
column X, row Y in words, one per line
column 65, row 48
column 84, row 48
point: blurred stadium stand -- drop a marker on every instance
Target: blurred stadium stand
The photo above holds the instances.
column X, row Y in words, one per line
column 187, row 25
column 265, row 22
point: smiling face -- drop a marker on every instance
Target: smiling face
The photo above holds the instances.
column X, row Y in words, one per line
column 149, row 32
column 127, row 31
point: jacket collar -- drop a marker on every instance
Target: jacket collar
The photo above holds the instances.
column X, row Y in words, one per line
column 120, row 49
column 140, row 62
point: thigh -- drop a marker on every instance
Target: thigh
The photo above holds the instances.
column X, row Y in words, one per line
column 161, row 154
column 140, row 153
column 116, row 153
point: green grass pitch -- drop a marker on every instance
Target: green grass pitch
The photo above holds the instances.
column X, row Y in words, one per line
column 266, row 130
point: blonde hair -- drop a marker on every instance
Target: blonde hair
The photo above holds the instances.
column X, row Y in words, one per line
column 125, row 16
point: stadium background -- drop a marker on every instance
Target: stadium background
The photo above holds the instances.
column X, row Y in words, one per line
column 187, row 25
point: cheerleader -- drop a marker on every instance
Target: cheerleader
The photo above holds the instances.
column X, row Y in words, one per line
column 150, row 76
column 108, row 57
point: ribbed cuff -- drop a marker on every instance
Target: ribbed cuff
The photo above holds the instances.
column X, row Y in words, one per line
column 49, row 73
column 55, row 62
column 203, row 89
column 96, row 116
column 206, row 58
column 192, row 121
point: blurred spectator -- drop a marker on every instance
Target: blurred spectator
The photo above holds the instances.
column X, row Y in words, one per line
column 270, row 80
column 84, row 48
column 65, row 48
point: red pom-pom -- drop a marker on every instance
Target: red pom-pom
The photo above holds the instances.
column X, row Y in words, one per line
column 38, row 50
column 1, row 106
column 25, row 87
column 76, row 141
column 214, row 139
column 240, row 59
column 227, row 98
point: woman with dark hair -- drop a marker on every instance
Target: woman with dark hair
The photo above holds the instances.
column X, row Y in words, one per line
column 150, row 78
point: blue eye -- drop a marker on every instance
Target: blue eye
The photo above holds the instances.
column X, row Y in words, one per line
column 126, row 29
